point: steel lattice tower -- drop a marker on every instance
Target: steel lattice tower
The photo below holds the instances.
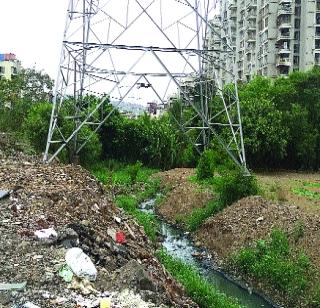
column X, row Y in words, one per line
column 131, row 50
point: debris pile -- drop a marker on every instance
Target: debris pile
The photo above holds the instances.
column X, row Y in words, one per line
column 64, row 244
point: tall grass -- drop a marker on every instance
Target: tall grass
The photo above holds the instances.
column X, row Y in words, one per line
column 197, row 287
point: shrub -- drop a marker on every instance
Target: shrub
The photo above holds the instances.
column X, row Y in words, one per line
column 273, row 262
column 133, row 171
column 235, row 185
column 206, row 165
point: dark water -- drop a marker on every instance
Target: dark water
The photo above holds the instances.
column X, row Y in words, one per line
column 180, row 246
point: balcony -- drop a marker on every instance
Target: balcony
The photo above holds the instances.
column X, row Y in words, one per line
column 251, row 5
column 287, row 11
column 284, row 51
column 284, row 36
column 233, row 14
column 285, row 1
column 283, row 62
column 251, row 16
column 285, row 25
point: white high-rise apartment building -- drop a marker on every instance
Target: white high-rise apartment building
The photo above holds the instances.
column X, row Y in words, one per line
column 269, row 37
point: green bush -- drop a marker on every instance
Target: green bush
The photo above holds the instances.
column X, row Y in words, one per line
column 206, row 165
column 36, row 125
column 235, row 185
column 273, row 261
column 133, row 171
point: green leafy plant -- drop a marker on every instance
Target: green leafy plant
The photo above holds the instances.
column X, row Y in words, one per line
column 235, row 185
column 274, row 262
column 133, row 171
column 206, row 165
column 198, row 216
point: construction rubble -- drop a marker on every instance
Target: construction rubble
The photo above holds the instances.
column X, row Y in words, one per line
column 63, row 243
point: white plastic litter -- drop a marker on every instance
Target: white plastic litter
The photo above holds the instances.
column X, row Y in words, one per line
column 45, row 234
column 30, row 305
column 81, row 264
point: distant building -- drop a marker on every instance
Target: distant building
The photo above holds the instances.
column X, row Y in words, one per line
column 155, row 110
column 270, row 37
column 9, row 65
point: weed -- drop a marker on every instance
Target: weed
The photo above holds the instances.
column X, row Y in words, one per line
column 148, row 221
column 198, row 288
column 315, row 301
column 272, row 261
column 133, row 171
column 304, row 192
column 198, row 216
column 298, row 231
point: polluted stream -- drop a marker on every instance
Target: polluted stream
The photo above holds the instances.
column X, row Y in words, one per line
column 179, row 245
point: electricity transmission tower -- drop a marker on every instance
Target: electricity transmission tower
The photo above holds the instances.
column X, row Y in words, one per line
column 143, row 50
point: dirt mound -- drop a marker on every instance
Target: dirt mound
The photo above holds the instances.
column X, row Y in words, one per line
column 69, row 200
column 252, row 218
column 184, row 196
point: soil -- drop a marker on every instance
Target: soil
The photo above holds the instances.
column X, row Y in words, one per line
column 251, row 218
column 183, row 197
column 67, row 199
column 279, row 187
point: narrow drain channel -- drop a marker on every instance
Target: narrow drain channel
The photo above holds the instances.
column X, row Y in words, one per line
column 180, row 246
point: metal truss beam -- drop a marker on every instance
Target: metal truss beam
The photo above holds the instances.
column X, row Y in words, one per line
column 110, row 47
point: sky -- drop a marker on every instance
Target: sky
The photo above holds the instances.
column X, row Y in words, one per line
column 33, row 30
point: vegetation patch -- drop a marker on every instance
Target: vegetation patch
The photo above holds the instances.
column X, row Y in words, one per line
column 135, row 185
column 198, row 288
column 274, row 262
column 148, row 221
column 198, row 216
column 306, row 192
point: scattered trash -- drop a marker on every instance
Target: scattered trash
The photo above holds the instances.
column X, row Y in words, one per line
column 118, row 236
column 83, row 285
column 4, row 193
column 46, row 234
column 261, row 218
column 105, row 303
column 117, row 219
column 30, row 305
column 12, row 286
column 130, row 231
column 66, row 273
column 81, row 264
